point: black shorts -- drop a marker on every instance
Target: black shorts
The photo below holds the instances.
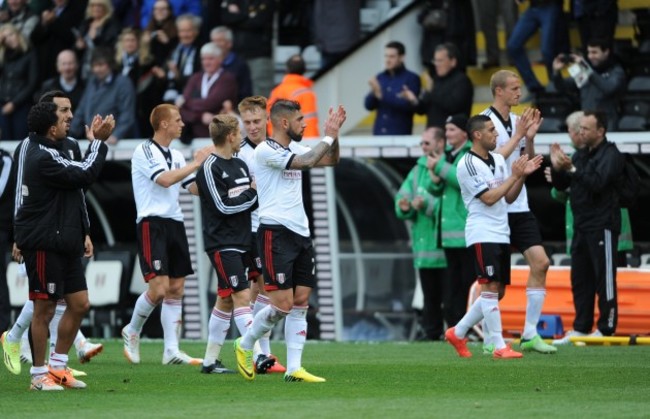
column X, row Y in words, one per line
column 524, row 230
column 252, row 259
column 231, row 271
column 288, row 258
column 491, row 262
column 163, row 249
column 53, row 275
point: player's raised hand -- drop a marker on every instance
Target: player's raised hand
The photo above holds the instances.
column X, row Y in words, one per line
column 524, row 122
column 533, row 164
column 559, row 159
column 202, row 153
column 102, row 128
column 536, row 122
column 519, row 166
column 335, row 120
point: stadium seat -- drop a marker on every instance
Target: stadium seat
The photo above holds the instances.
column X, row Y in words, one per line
column 103, row 279
column 561, row 259
column 632, row 123
column 137, row 285
column 552, row 125
column 639, row 84
column 312, row 58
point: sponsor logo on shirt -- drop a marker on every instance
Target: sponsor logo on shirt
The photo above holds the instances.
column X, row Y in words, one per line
column 292, row 174
column 236, row 191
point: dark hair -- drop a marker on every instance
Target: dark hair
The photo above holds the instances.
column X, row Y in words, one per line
column 476, row 123
column 283, row 108
column 401, row 49
column 602, row 43
column 103, row 55
column 50, row 95
column 41, row 117
column 452, row 50
column 601, row 118
column 296, row 65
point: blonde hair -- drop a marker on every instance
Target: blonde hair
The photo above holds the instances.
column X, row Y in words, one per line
column 108, row 6
column 251, row 102
column 23, row 45
column 500, row 79
column 221, row 127
column 573, row 121
column 144, row 53
column 160, row 113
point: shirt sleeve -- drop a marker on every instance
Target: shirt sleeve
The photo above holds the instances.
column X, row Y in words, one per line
column 471, row 178
column 144, row 161
column 276, row 158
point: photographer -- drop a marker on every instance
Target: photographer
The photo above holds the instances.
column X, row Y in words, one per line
column 597, row 81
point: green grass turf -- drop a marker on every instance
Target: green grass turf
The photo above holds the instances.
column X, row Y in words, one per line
column 365, row 380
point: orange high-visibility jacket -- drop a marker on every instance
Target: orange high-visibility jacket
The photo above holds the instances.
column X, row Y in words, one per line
column 298, row 88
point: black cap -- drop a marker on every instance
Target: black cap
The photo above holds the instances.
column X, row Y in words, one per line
column 459, row 120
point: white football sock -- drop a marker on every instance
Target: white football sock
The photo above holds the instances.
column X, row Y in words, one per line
column 260, row 302
column 54, row 324
column 492, row 315
column 171, row 319
column 22, row 322
column 217, row 331
column 58, row 361
column 264, row 321
column 243, row 319
column 472, row 317
column 295, row 335
column 534, row 303
column 141, row 312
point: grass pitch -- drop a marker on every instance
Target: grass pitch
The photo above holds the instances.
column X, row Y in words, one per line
column 364, row 380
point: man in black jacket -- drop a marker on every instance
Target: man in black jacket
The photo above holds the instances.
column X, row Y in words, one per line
column 449, row 92
column 593, row 174
column 49, row 230
column 6, row 211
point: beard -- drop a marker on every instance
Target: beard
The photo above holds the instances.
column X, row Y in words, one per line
column 295, row 136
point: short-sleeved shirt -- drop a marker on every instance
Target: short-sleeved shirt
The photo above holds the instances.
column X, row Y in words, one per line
column 247, row 154
column 279, row 188
column 149, row 161
column 505, row 129
column 485, row 223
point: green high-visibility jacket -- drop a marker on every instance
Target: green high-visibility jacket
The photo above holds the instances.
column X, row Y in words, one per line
column 423, row 222
column 453, row 213
column 625, row 241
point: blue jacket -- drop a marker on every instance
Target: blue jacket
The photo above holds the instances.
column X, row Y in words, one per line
column 394, row 114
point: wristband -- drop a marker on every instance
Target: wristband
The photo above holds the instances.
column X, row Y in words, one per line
column 329, row 140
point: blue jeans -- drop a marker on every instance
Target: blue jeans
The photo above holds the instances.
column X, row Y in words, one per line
column 538, row 17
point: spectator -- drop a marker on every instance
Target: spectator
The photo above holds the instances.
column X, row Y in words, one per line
column 592, row 173
column 134, row 61
column 625, row 242
column 178, row 7
column 452, row 216
column 389, row 94
column 252, row 25
column 106, row 93
column 604, row 83
column 127, row 12
column 55, row 32
column 543, row 15
column 345, row 16
column 161, row 34
column 295, row 86
column 221, row 36
column 18, row 81
column 99, row 29
column 414, row 203
column 450, row 92
column 68, row 79
column 454, row 23
column 206, row 93
column 184, row 59
column 488, row 11
column 18, row 13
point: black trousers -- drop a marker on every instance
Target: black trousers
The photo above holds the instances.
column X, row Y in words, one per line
column 5, row 308
column 593, row 272
column 461, row 276
column 432, row 281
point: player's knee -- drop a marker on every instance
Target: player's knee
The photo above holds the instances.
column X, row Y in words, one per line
column 541, row 264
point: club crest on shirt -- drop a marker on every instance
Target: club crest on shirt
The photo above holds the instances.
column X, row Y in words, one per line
column 280, row 278
column 234, row 281
column 292, row 174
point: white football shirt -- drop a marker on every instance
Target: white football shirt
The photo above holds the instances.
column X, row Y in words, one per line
column 149, row 161
column 247, row 154
column 504, row 134
column 485, row 223
column 279, row 189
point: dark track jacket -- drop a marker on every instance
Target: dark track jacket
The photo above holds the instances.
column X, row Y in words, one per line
column 53, row 211
column 594, row 197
